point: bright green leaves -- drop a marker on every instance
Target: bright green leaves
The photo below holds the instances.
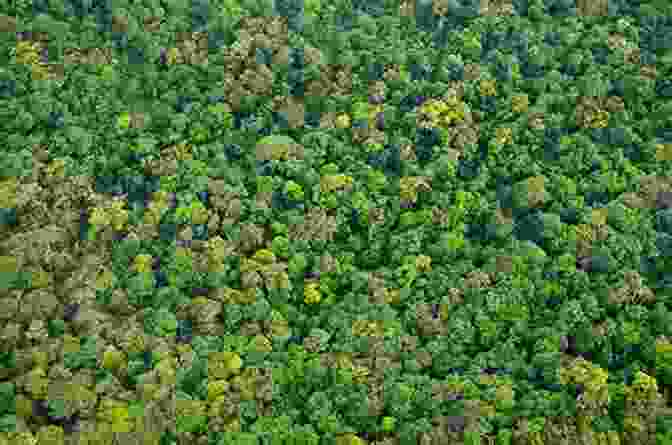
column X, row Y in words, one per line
column 294, row 191
column 376, row 181
column 124, row 121
column 194, row 211
column 280, row 246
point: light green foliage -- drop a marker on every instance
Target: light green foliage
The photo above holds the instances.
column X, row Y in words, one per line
column 377, row 267
column 188, row 212
column 280, row 246
column 279, row 228
column 294, row 191
column 376, row 180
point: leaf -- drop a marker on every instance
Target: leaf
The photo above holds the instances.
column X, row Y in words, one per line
column 7, row 396
column 8, row 423
column 56, row 408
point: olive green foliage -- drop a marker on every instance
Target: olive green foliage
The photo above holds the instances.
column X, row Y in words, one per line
column 490, row 242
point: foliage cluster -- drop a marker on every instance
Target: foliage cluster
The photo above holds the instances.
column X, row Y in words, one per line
column 492, row 233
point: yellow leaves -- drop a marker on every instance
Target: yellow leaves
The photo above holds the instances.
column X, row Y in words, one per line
column 9, row 264
column 407, row 188
column 248, row 296
column 311, row 293
column 105, row 279
column 612, row 438
column 232, row 425
column 114, row 215
column 71, row 344
column 173, row 56
column 113, row 359
column 261, row 343
column 350, row 439
column 488, row 87
column 423, row 263
column 664, row 152
column 343, row 360
column 410, row 186
column 56, row 168
column 24, row 406
column 119, row 214
column 246, row 382
column 37, row 383
column 368, row 328
column 663, row 347
column 343, row 121
column 51, row 435
column 115, row 414
column 8, row 190
column 134, row 344
column 222, row 365
column 99, row 217
column 330, row 183
column 598, row 378
column 599, row 216
column 149, row 391
column 183, row 349
column 40, row 278
column 183, row 152
column 279, row 328
column 142, row 263
column 503, row 136
column 520, row 103
column 167, row 371
column 280, row 280
column 536, row 183
column 600, row 119
column 217, row 406
column 633, row 424
column 18, row 438
column 27, row 53
column 591, row 376
column 585, row 233
column 264, row 256
column 504, row 395
column 644, row 387
column 216, row 248
column 199, row 301
column 392, row 296
column 360, row 374
column 443, row 113
column 217, row 388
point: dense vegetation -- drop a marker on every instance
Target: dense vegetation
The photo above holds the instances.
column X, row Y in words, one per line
column 338, row 222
